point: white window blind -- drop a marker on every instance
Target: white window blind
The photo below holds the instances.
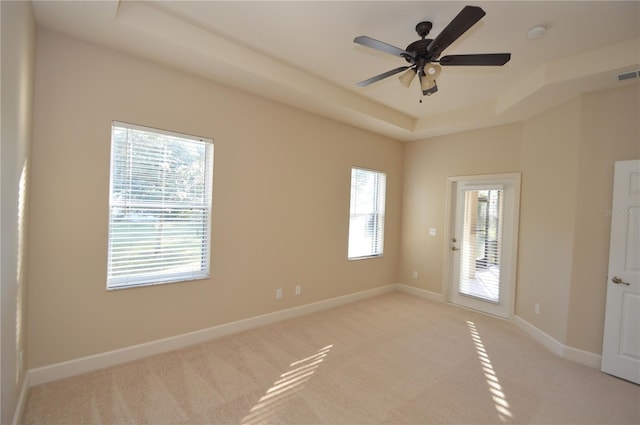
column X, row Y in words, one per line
column 366, row 220
column 159, row 206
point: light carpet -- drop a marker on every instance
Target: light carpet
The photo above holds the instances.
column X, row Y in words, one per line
column 394, row 358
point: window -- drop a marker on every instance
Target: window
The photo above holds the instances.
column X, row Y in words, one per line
column 366, row 219
column 159, row 206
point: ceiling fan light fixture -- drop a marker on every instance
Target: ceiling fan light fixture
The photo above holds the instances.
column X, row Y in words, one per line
column 427, row 84
column 407, row 77
column 432, row 71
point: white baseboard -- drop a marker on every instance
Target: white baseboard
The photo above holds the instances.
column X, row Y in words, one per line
column 418, row 292
column 22, row 400
column 110, row 358
column 577, row 355
column 541, row 337
column 583, row 357
column 74, row 367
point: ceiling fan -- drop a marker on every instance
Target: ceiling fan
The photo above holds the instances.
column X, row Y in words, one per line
column 423, row 54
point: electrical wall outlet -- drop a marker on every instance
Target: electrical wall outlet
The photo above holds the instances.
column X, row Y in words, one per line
column 298, row 289
column 536, row 308
column 415, row 275
column 278, row 293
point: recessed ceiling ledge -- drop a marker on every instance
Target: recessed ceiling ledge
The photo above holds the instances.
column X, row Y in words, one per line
column 524, row 88
column 609, row 58
column 474, row 116
column 311, row 93
column 619, row 56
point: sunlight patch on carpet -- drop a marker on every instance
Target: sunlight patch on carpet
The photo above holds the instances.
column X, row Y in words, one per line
column 284, row 388
column 497, row 394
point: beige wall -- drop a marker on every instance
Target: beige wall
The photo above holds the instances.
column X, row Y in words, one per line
column 427, row 165
column 280, row 214
column 547, row 216
column 566, row 157
column 18, row 55
column 610, row 131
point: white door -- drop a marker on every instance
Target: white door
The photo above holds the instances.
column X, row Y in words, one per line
column 483, row 242
column 621, row 343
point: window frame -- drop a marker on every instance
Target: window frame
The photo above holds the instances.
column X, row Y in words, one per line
column 380, row 214
column 165, row 277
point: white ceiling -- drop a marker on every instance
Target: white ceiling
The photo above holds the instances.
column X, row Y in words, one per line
column 302, row 53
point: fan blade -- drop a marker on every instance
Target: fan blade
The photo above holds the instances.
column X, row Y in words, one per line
column 487, row 59
column 458, row 26
column 382, row 76
column 383, row 47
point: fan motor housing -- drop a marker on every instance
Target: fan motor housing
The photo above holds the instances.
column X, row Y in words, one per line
column 420, row 47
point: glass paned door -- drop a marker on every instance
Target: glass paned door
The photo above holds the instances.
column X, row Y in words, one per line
column 481, row 244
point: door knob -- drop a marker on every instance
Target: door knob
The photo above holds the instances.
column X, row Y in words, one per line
column 618, row 281
column 453, row 248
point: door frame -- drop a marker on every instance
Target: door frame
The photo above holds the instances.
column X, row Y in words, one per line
column 451, row 195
